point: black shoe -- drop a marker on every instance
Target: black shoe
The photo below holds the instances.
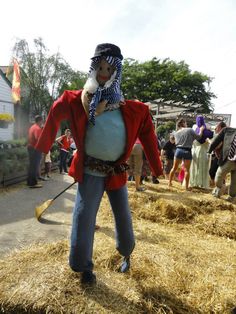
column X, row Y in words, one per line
column 146, row 179
column 88, row 277
column 35, row 186
column 125, row 266
column 233, row 311
column 155, row 180
column 41, row 178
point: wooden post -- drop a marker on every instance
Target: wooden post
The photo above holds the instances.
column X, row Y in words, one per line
column 157, row 114
column 17, row 125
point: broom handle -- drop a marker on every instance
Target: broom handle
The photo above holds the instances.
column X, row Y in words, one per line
column 64, row 190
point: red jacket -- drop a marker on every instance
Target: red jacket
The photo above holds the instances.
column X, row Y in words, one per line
column 137, row 121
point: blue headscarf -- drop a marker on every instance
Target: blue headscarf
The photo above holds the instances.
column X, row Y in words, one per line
column 111, row 90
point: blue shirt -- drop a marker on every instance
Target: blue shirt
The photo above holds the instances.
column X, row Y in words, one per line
column 106, row 139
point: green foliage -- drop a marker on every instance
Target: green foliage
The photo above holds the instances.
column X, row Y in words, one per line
column 166, row 79
column 45, row 76
column 13, row 157
column 55, row 152
column 2, row 156
column 170, row 126
column 55, row 156
column 15, row 143
column 77, row 82
column 165, row 129
column 161, row 130
column 42, row 75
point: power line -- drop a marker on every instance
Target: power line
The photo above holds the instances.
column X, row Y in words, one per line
column 229, row 83
column 227, row 104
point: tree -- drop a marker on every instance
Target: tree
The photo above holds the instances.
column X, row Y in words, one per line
column 43, row 75
column 77, row 81
column 166, row 79
column 165, row 129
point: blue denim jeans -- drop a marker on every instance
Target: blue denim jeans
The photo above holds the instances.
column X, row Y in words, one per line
column 182, row 153
column 87, row 203
column 63, row 160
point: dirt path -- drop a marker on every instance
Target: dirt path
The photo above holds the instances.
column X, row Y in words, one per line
column 18, row 225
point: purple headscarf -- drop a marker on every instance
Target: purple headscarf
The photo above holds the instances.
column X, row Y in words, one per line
column 206, row 132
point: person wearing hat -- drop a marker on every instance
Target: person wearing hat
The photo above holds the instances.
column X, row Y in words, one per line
column 104, row 127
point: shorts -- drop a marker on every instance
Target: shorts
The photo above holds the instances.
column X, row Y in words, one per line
column 183, row 153
column 135, row 160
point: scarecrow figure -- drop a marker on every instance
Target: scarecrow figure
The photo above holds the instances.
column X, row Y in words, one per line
column 104, row 127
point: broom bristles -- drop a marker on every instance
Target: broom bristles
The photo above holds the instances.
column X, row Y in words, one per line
column 39, row 210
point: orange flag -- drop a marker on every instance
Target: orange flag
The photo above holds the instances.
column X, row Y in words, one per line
column 16, row 82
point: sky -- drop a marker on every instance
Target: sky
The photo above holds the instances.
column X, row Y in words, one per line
column 200, row 32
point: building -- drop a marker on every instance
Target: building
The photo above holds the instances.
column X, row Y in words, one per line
column 6, row 106
column 163, row 111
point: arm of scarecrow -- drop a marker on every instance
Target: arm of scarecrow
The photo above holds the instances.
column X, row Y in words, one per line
column 58, row 112
column 148, row 139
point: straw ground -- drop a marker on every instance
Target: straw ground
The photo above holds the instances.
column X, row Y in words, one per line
column 184, row 262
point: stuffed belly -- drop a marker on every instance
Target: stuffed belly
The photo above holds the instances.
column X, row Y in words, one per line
column 107, row 138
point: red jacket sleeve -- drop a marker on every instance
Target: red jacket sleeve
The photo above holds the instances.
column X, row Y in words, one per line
column 58, row 112
column 148, row 139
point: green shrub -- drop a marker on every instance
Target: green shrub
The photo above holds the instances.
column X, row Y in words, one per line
column 13, row 157
column 18, row 142
column 2, row 156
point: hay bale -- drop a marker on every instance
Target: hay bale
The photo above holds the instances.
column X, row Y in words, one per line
column 181, row 262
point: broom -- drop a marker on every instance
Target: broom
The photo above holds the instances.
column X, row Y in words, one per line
column 39, row 210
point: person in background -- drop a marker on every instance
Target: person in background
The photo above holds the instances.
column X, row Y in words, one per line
column 34, row 155
column 199, row 170
column 215, row 156
column 135, row 163
column 64, row 142
column 72, row 153
column 146, row 169
column 105, row 127
column 184, row 138
column 42, row 169
column 47, row 164
column 180, row 176
column 167, row 155
column 161, row 143
column 227, row 161
column 155, row 178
